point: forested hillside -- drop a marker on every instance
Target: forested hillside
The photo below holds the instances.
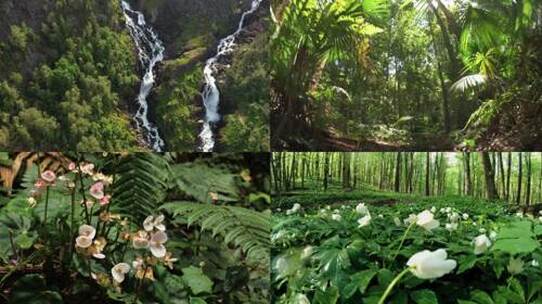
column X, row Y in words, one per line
column 70, row 75
column 407, row 75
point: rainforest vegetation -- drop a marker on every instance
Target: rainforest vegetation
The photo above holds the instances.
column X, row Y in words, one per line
column 378, row 75
column 406, row 228
column 134, row 228
column 70, row 75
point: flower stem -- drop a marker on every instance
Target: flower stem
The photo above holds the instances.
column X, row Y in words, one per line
column 46, row 206
column 72, row 226
column 80, row 173
column 392, row 284
column 402, row 241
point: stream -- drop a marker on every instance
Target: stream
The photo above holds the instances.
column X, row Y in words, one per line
column 211, row 94
column 150, row 52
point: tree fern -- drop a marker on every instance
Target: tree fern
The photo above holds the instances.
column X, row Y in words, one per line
column 140, row 185
column 245, row 228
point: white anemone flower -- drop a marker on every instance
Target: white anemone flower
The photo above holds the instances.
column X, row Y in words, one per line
column 481, row 244
column 465, row 216
column 336, row 217
column 140, row 240
column 364, row 221
column 426, row 220
column 451, row 226
column 158, row 239
column 397, row 221
column 152, row 222
column 119, row 271
column 431, row 264
column 412, row 218
column 362, row 209
column 493, row 235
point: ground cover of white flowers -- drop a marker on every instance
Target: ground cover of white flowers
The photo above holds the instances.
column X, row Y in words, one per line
column 377, row 247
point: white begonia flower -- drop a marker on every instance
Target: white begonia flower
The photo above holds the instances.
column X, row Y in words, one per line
column 515, row 266
column 158, row 239
column 426, row 220
column 412, row 218
column 152, row 222
column 362, row 209
column 465, row 216
column 140, row 240
column 336, row 217
column 493, row 235
column 451, row 226
column 535, row 263
column 431, row 264
column 481, row 244
column 397, row 221
column 86, row 235
column 119, row 271
column 364, row 221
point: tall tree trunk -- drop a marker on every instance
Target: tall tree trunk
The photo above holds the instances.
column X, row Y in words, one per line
column 346, row 170
column 489, row 175
column 468, row 176
column 501, row 170
column 326, row 170
column 508, row 175
column 397, row 187
column 427, row 174
column 520, row 178
column 528, row 188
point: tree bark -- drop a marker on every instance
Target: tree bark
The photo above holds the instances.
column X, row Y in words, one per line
column 489, row 175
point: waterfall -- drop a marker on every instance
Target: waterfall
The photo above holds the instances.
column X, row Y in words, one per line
column 211, row 94
column 151, row 51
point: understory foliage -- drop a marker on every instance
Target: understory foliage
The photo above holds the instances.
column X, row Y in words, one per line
column 134, row 228
column 410, row 73
column 351, row 251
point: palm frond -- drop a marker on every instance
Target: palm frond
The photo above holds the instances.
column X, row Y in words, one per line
column 250, row 230
column 469, row 82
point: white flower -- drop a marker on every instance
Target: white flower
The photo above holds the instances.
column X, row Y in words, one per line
column 152, row 222
column 493, row 235
column 519, row 214
column 465, row 216
column 453, row 217
column 307, row 252
column 448, row 209
column 364, row 221
column 301, row 299
column 397, row 221
column 535, row 263
column 294, row 209
column 431, row 264
column 381, row 216
column 515, row 266
column 157, row 244
column 481, row 244
column 97, row 190
column 86, row 235
column 482, row 230
column 362, row 209
column 140, row 240
column 336, row 217
column 433, row 209
column 442, row 210
column 119, row 271
column 412, row 218
column 451, row 226
column 540, row 212
column 426, row 220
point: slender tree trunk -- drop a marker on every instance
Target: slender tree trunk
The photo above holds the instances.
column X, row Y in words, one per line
column 468, row 175
column 508, row 175
column 489, row 175
column 427, row 174
column 529, row 171
column 397, row 186
column 520, row 179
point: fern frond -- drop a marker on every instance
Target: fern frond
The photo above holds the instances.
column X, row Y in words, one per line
column 248, row 229
column 141, row 184
column 205, row 183
column 469, row 82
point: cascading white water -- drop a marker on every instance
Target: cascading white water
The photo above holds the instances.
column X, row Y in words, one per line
column 211, row 94
column 150, row 51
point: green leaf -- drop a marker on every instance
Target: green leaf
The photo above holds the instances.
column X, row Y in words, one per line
column 481, row 297
column 424, row 296
column 197, row 280
column 330, row 296
column 31, row 289
column 197, row 301
column 515, row 246
column 466, row 264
